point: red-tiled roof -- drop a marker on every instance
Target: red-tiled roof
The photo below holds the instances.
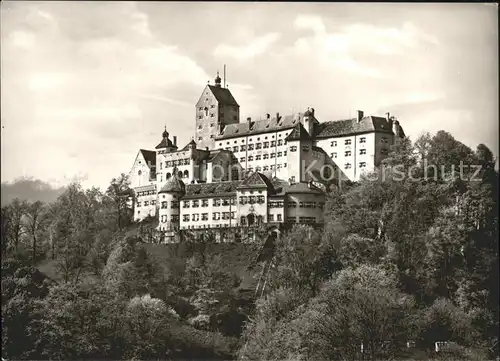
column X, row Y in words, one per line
column 223, row 95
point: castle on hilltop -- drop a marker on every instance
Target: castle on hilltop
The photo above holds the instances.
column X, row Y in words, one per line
column 234, row 175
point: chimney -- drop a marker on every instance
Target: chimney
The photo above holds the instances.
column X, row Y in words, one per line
column 388, row 116
column 175, row 140
column 278, row 117
column 312, row 111
column 360, row 115
column 268, row 116
column 249, row 119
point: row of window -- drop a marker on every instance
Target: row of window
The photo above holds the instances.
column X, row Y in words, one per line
column 146, row 203
column 217, row 202
column 180, row 174
column 275, row 204
column 333, row 143
column 279, row 218
column 173, row 218
column 348, row 153
column 173, row 163
column 263, row 156
column 349, row 165
column 292, row 204
column 204, row 216
column 252, row 200
column 145, row 193
column 173, row 204
column 258, row 139
column 266, row 167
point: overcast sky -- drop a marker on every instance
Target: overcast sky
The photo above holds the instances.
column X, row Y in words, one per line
column 86, row 84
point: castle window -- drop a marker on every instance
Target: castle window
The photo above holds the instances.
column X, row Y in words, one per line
column 235, row 149
column 161, row 165
column 196, row 217
column 164, row 205
column 266, row 156
column 216, row 216
column 185, row 217
column 250, row 169
column 362, row 140
column 153, row 202
column 212, row 115
column 280, row 154
column 243, row 220
column 384, row 140
column 204, row 203
column 242, row 159
column 257, row 169
column 220, row 144
column 139, row 172
column 266, row 168
column 138, row 204
column 212, row 136
column 216, row 202
column 280, row 218
column 271, row 218
column 278, row 166
column 211, row 125
column 260, row 199
column 280, row 142
column 200, row 108
column 212, row 106
column 185, row 204
column 179, row 174
column 174, row 204
column 362, row 164
column 273, row 155
column 333, row 143
column 168, row 175
column 362, row 151
column 293, row 148
column 347, row 166
column 250, row 147
column 243, row 148
column 146, row 203
column 284, row 165
column 273, row 143
column 258, row 157
column 292, row 204
column 347, row 142
column 266, row 144
column 284, row 153
column 347, row 153
column 196, row 204
column 174, row 218
column 243, row 200
column 186, row 174
column 200, row 126
column 200, row 116
column 204, row 216
column 200, row 138
column 334, row 155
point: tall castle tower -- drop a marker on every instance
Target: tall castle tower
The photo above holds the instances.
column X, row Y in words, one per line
column 215, row 109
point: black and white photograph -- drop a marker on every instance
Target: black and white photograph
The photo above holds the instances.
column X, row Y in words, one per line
column 249, row 181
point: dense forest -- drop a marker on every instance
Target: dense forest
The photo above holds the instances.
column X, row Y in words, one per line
column 401, row 263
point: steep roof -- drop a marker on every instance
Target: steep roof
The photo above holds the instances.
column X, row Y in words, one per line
column 303, row 188
column 336, row 128
column 173, row 184
column 259, row 126
column 146, row 188
column 223, row 95
column 165, row 143
column 187, row 146
column 298, row 133
column 204, row 190
column 149, row 156
column 257, row 180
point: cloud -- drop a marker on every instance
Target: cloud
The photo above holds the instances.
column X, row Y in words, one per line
column 256, row 46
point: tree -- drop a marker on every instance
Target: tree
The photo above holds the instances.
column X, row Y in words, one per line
column 35, row 224
column 118, row 194
column 12, row 216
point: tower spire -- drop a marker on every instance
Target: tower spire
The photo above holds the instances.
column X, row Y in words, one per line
column 217, row 79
